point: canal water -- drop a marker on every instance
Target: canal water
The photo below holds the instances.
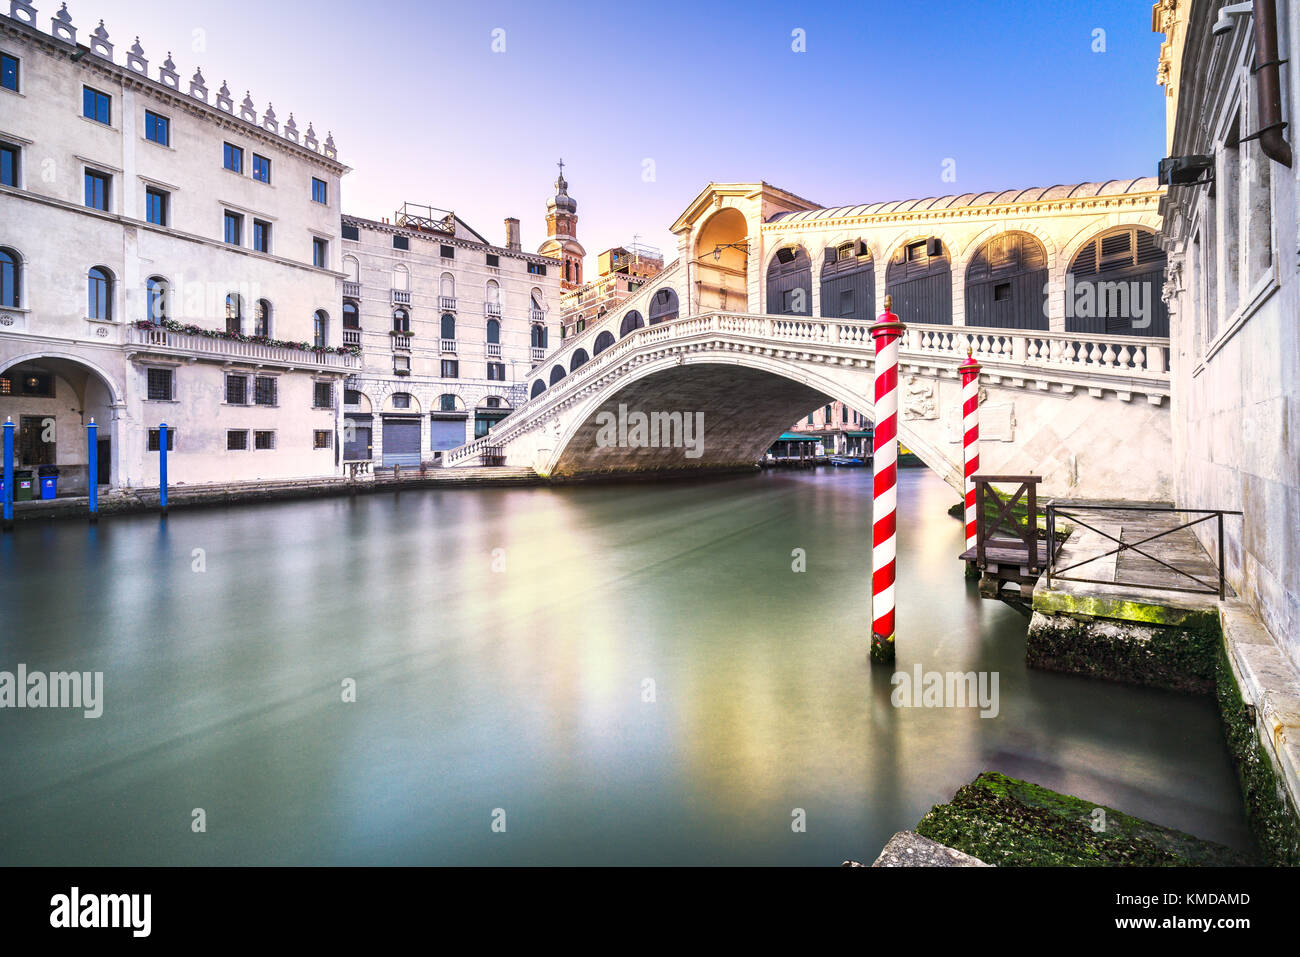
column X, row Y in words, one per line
column 626, row 674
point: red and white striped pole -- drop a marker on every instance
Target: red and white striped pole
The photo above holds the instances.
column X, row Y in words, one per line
column 886, row 331
column 970, row 428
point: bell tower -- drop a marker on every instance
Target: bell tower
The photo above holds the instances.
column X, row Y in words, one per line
column 562, row 233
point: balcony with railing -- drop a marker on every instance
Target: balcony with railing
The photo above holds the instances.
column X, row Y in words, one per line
column 401, row 340
column 352, row 337
column 492, row 309
column 351, row 290
column 536, row 315
column 539, row 353
column 494, row 350
column 169, row 342
column 447, row 303
column 402, row 297
column 447, row 345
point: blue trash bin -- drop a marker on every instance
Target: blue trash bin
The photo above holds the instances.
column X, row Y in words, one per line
column 49, row 476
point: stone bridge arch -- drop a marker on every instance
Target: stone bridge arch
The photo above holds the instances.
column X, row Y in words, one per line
column 748, row 400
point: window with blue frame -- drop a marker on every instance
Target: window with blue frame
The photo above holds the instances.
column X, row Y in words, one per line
column 8, row 165
column 261, row 169
column 233, row 158
column 157, row 129
column 234, row 229
column 97, row 189
column 155, row 206
column 261, row 236
column 96, row 106
column 9, row 72
column 319, row 192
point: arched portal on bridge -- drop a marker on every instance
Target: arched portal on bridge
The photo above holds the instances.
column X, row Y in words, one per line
column 538, row 388
column 51, row 399
column 1114, row 285
column 789, row 282
column 603, row 342
column 557, row 373
column 722, row 262
column 919, row 277
column 848, row 289
column 630, row 324
column 663, row 306
column 579, row 359
column 1006, row 283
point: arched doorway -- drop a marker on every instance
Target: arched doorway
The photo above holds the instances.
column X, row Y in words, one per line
column 1006, row 283
column 789, row 282
column 1114, row 284
column 51, row 400
column 848, row 288
column 919, row 278
column 722, row 262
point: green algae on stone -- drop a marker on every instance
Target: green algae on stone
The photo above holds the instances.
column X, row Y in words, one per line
column 1009, row 822
column 1270, row 811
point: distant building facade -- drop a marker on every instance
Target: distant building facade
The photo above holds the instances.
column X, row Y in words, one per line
column 1233, row 288
column 621, row 272
column 841, row 430
column 449, row 325
column 167, row 254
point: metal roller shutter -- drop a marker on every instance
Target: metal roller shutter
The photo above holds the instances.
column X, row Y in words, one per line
column 401, row 442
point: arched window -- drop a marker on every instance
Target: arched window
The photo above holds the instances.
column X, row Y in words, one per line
column 580, row 358
column 631, row 322
column 262, row 318
column 536, row 313
column 156, row 298
column 351, row 269
column 447, row 290
column 603, row 342
column 663, row 306
column 557, row 373
column 351, row 315
column 539, row 336
column 401, row 321
column 401, row 278
column 99, row 304
column 448, row 326
column 493, row 292
column 10, row 277
column 494, row 332
column 322, row 328
column 234, row 314
column 538, row 388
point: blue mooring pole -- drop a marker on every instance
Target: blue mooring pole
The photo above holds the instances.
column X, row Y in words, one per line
column 92, row 467
column 162, row 467
column 9, row 474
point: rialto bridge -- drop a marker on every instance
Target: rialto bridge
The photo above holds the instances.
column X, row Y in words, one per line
column 765, row 314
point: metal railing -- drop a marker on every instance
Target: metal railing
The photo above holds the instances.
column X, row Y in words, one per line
column 1067, row 511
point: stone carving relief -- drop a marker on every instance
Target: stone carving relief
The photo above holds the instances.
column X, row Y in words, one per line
column 919, row 398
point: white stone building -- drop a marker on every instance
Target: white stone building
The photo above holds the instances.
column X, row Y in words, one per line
column 1233, row 286
column 449, row 327
column 168, row 255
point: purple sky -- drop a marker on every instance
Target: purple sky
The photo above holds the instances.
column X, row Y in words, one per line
column 424, row 110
